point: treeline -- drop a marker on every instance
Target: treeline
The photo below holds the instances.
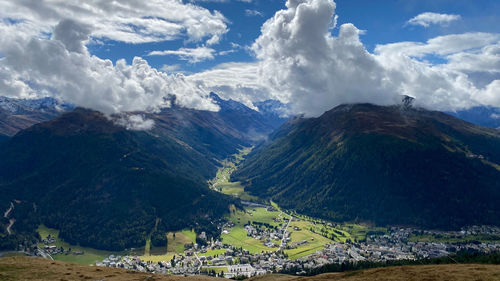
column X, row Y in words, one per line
column 462, row 257
column 264, row 224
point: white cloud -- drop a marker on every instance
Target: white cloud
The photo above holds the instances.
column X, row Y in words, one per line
column 426, row 19
column 253, row 13
column 136, row 122
column 170, row 68
column 61, row 68
column 441, row 45
column 452, row 84
column 300, row 62
column 192, row 55
column 485, row 60
column 131, row 21
column 222, row 1
column 313, row 70
column 237, row 81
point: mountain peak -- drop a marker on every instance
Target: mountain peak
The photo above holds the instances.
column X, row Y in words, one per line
column 79, row 121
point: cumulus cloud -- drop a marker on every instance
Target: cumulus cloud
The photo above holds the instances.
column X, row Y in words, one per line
column 237, row 81
column 305, row 65
column 62, row 67
column 456, row 83
column 192, row 55
column 301, row 62
column 135, row 122
column 427, row 19
column 131, row 21
column 73, row 35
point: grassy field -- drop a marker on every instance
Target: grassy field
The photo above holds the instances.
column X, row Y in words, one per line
column 237, row 190
column 221, row 181
column 217, row 269
column 175, row 246
column 316, row 232
column 314, row 243
column 212, row 253
column 176, row 242
column 157, row 258
column 342, row 231
column 90, row 255
column 238, row 236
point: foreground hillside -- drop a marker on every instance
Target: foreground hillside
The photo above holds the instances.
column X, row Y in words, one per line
column 455, row 272
column 37, row 269
column 388, row 165
column 24, row 268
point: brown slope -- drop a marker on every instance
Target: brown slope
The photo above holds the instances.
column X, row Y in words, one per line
column 37, row 269
column 456, row 272
column 24, row 268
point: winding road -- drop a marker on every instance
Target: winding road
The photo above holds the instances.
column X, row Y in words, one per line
column 12, row 220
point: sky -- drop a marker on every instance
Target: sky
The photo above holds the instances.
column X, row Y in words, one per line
column 131, row 55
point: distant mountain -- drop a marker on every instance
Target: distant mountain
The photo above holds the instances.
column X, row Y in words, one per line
column 217, row 135
column 487, row 116
column 214, row 134
column 104, row 186
column 274, row 111
column 18, row 114
column 388, row 165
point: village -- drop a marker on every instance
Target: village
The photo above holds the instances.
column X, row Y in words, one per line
column 395, row 245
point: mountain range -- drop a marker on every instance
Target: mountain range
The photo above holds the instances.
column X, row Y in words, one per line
column 487, row 116
column 110, row 188
column 18, row 114
column 382, row 164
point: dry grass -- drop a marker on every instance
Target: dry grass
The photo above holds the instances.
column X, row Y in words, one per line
column 25, row 268
column 456, row 272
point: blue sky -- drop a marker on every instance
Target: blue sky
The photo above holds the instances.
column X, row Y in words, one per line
column 384, row 22
column 128, row 55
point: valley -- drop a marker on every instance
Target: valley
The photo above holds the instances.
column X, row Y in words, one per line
column 262, row 237
column 249, row 140
column 218, row 206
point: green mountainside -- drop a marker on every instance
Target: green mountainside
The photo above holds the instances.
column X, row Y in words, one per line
column 387, row 165
column 104, row 186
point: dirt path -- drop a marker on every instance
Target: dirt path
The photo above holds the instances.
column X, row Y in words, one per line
column 11, row 223
column 7, row 213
